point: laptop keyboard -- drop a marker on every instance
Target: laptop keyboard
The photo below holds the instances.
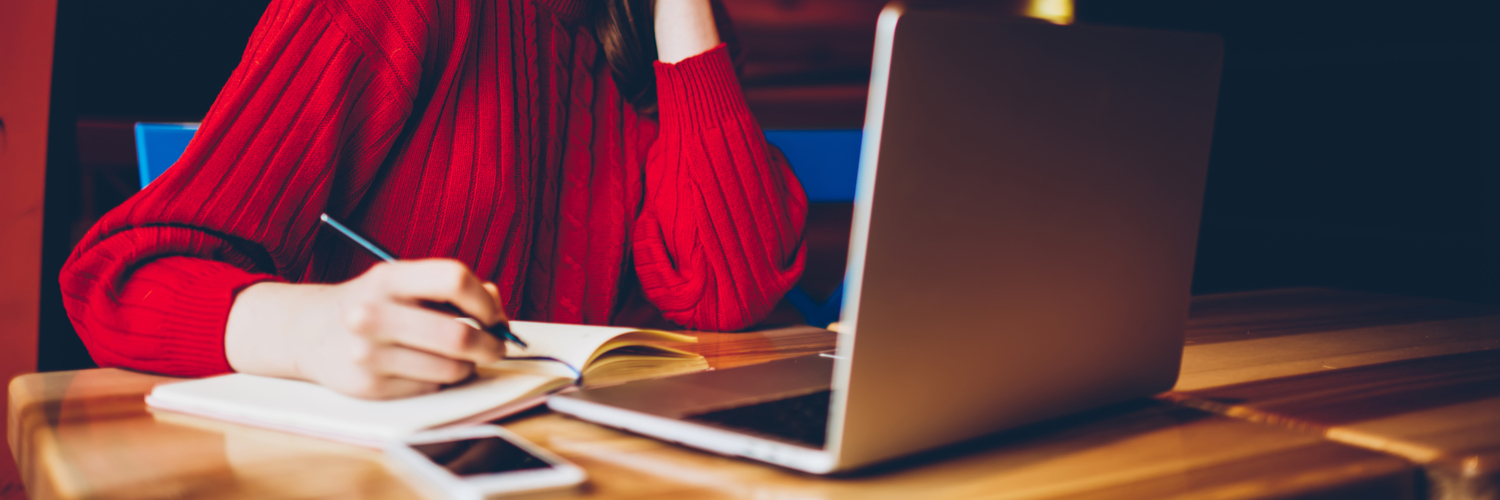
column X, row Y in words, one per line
column 801, row 420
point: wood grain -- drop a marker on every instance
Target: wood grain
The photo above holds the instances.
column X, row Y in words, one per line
column 1442, row 412
column 1138, row 450
column 1261, row 358
column 1418, row 378
column 1237, row 317
column 87, row 434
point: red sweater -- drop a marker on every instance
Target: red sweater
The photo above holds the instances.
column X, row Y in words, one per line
column 487, row 131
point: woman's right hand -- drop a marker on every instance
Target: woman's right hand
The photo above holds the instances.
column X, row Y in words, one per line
column 368, row 337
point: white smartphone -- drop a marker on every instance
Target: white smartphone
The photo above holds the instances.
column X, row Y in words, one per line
column 481, row 462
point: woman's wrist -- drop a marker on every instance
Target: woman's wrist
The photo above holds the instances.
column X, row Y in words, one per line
column 684, row 28
column 265, row 323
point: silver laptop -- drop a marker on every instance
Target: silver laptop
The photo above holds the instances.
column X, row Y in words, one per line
column 1024, row 229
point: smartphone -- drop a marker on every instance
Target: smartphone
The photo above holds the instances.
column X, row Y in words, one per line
column 481, row 462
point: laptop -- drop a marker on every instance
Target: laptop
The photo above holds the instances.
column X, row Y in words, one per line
column 1024, row 231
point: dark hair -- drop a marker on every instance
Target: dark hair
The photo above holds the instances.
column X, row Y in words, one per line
column 626, row 29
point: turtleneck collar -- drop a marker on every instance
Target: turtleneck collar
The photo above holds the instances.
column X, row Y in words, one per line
column 572, row 9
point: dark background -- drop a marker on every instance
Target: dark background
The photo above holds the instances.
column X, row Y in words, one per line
column 1355, row 144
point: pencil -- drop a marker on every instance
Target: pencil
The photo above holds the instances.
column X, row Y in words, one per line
column 499, row 330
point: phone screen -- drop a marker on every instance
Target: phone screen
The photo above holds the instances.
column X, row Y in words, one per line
column 487, row 455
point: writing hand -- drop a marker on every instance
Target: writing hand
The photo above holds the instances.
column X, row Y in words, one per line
column 370, row 337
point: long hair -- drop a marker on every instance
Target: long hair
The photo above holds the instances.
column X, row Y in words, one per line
column 627, row 31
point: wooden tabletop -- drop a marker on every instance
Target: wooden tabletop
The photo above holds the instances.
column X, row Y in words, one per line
column 1240, row 337
column 87, row 434
column 1416, row 378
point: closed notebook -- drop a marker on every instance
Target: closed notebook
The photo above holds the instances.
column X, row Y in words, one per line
column 608, row 355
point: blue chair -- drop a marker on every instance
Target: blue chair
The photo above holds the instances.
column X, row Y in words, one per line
column 827, row 163
column 158, row 145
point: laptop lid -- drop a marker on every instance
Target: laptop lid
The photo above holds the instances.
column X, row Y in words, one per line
column 1025, row 225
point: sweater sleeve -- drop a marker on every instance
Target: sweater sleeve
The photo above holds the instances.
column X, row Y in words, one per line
column 719, row 239
column 300, row 128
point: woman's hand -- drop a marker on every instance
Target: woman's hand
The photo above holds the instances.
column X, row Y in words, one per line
column 368, row 337
column 684, row 28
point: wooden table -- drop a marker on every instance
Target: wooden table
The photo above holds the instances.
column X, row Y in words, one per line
column 87, row 434
column 1415, row 378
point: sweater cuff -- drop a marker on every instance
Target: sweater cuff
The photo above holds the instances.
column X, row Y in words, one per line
column 701, row 89
column 189, row 300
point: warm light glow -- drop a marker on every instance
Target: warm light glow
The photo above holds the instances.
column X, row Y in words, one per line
column 1055, row 11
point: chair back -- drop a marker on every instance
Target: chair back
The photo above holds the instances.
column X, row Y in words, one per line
column 158, row 145
column 826, row 161
column 827, row 164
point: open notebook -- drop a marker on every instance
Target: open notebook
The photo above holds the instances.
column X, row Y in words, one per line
column 608, row 355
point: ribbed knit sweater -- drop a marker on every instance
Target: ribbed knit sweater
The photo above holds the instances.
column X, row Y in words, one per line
column 487, row 131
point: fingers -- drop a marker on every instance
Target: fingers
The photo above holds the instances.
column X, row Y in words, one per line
column 425, row 330
column 442, row 281
column 410, row 364
column 391, row 344
column 494, row 291
column 387, row 371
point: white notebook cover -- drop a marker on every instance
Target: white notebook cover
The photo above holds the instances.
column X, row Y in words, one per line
column 310, row 409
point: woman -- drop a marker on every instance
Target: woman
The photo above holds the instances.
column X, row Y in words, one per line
column 524, row 140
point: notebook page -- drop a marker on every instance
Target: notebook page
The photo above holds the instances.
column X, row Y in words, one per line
column 573, row 344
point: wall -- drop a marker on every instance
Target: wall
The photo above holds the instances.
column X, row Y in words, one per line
column 26, row 32
column 1354, row 146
